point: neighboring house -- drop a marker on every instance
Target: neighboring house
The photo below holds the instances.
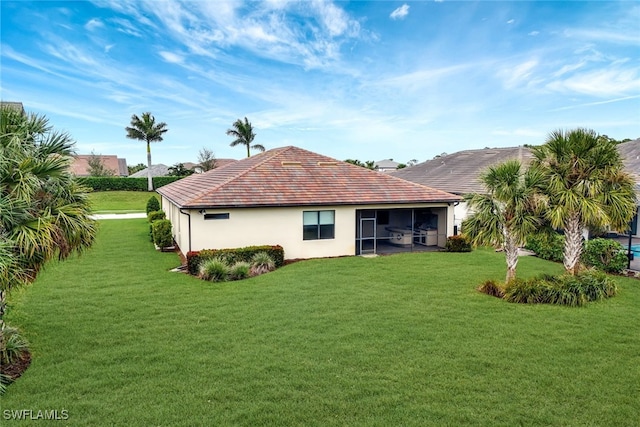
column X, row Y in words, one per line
column 458, row 173
column 312, row 205
column 80, row 165
column 386, row 165
column 15, row 105
column 198, row 169
column 156, row 170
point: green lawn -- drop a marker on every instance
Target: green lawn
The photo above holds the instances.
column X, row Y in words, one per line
column 119, row 340
column 120, row 201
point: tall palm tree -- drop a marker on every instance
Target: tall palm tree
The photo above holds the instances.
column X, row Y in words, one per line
column 244, row 135
column 508, row 212
column 146, row 129
column 44, row 212
column 587, row 187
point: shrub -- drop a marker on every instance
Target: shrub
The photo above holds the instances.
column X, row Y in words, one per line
column 123, row 183
column 162, row 233
column 457, row 243
column 214, row 270
column 13, row 346
column 156, row 215
column 493, row 288
column 574, row 291
column 231, row 256
column 605, row 254
column 153, row 204
column 547, row 246
column 261, row 263
column 239, row 270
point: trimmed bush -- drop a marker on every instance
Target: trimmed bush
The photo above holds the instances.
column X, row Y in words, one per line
column 118, row 183
column 457, row 243
column 547, row 246
column 231, row 256
column 214, row 270
column 574, row 291
column 239, row 270
column 152, row 205
column 605, row 254
column 162, row 233
column 261, row 263
column 156, row 215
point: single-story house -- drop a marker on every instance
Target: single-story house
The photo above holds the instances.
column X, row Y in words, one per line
column 458, row 173
column 80, row 165
column 385, row 165
column 310, row 204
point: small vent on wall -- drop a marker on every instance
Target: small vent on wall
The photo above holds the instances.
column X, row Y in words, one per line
column 327, row 164
column 291, row 164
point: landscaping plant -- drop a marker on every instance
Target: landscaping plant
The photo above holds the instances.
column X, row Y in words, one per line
column 153, row 205
column 214, row 270
column 605, row 254
column 261, row 263
column 162, row 236
column 457, row 243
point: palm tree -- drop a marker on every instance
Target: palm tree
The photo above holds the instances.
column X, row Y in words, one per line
column 146, row 129
column 587, row 187
column 508, row 212
column 44, row 212
column 243, row 134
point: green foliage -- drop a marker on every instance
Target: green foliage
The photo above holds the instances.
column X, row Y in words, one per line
column 117, row 183
column 13, row 349
column 231, row 256
column 136, row 168
column 243, row 133
column 261, row 263
column 156, row 215
column 153, row 205
column 214, row 269
column 549, row 246
column 605, row 254
column 161, row 230
column 240, row 270
column 179, row 170
column 457, row 243
column 97, row 166
column 567, row 289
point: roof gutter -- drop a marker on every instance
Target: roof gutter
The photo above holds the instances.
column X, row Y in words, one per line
column 188, row 227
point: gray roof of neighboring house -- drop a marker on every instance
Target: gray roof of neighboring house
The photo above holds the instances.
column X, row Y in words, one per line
column 156, row 170
column 16, row 105
column 386, row 164
column 458, row 173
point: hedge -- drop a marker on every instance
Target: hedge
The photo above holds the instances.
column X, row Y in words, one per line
column 111, row 183
column 232, row 256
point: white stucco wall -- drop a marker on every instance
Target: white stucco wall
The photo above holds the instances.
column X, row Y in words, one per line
column 276, row 226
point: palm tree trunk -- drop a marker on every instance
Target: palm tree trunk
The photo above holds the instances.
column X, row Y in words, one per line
column 149, row 179
column 248, row 150
column 572, row 244
column 511, row 255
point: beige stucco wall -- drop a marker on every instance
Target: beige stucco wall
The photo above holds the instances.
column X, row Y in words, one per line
column 275, row 226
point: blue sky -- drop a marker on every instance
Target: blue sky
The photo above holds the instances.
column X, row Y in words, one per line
column 365, row 80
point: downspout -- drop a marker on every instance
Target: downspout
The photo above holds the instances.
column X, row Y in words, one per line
column 188, row 226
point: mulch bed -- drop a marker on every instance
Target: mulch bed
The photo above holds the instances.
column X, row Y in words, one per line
column 14, row 370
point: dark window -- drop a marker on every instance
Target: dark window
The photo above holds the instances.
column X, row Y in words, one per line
column 216, row 216
column 318, row 225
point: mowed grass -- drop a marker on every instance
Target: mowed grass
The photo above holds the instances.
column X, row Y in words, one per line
column 120, row 201
column 119, row 340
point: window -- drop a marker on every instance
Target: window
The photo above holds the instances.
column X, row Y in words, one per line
column 216, row 216
column 318, row 225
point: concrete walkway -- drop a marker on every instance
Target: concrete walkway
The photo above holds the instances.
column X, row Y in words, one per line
column 119, row 216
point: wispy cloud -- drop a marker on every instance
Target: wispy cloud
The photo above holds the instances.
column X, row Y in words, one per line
column 534, row 33
column 94, row 23
column 400, row 13
column 511, row 21
column 601, row 83
column 171, row 57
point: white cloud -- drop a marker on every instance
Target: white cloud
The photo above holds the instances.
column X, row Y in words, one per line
column 171, row 57
column 518, row 74
column 401, row 12
column 511, row 21
column 108, row 48
column 602, row 83
column 534, row 33
column 94, row 23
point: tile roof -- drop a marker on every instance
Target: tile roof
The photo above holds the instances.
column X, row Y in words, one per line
column 458, row 173
column 80, row 165
column 291, row 176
